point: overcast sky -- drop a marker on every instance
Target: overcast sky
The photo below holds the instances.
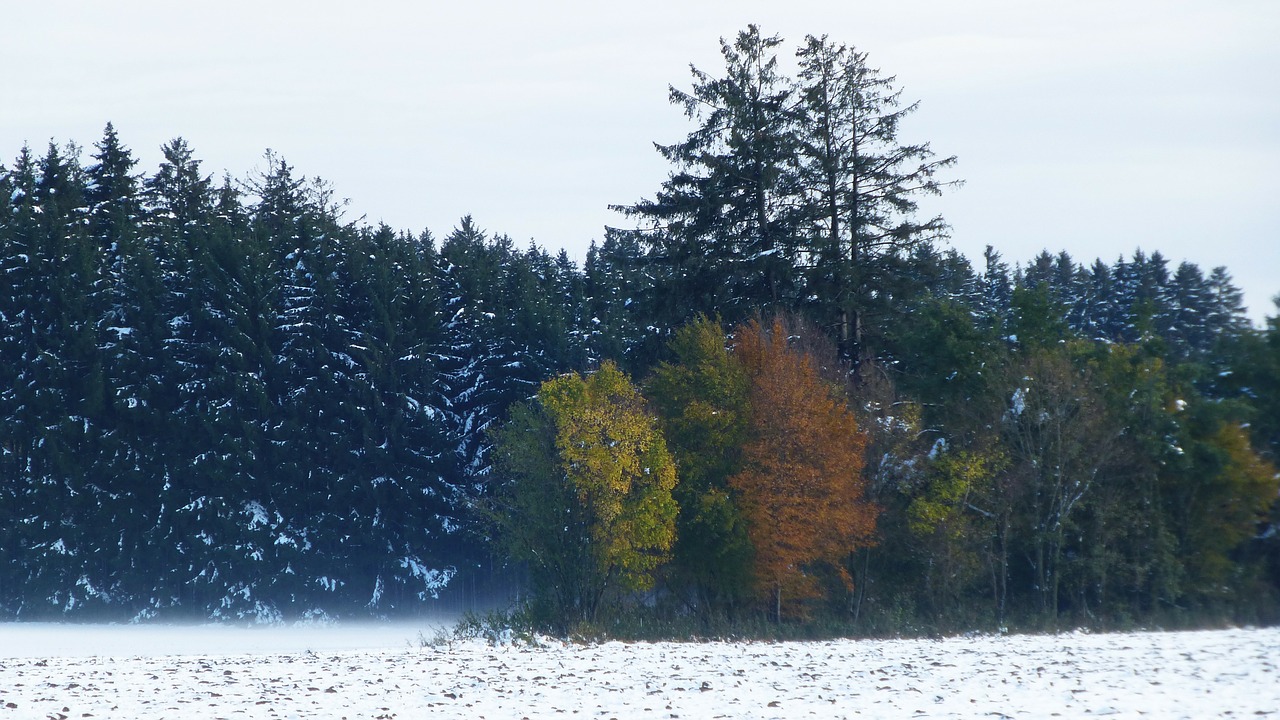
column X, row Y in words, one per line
column 1096, row 127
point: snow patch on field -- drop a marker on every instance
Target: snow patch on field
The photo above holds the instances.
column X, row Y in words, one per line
column 382, row 672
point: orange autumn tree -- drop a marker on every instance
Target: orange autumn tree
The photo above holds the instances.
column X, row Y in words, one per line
column 801, row 485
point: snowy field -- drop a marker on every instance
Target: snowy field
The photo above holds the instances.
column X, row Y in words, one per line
column 381, row 671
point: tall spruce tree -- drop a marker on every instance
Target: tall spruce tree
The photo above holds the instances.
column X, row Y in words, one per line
column 861, row 184
column 132, row 333
column 211, row 539
column 404, row 510
column 790, row 193
column 723, row 230
column 485, row 370
column 19, row 424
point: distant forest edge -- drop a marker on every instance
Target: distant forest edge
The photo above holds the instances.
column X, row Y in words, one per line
column 778, row 398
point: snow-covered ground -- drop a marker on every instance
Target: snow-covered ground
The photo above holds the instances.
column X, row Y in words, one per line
column 62, row 671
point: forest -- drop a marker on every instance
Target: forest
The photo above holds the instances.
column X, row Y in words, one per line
column 775, row 402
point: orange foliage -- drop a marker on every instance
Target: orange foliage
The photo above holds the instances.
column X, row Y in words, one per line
column 801, row 486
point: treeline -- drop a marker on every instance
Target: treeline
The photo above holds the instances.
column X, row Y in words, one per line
column 220, row 398
column 985, row 477
column 1093, row 443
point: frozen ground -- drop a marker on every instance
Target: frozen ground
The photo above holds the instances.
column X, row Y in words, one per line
column 59, row 671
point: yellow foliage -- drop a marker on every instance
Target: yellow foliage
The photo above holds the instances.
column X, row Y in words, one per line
column 617, row 463
column 954, row 479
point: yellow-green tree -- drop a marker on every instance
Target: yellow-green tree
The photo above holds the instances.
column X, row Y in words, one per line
column 584, row 493
column 703, row 403
column 954, row 522
column 801, row 485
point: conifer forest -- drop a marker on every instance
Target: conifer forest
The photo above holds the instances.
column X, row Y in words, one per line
column 771, row 397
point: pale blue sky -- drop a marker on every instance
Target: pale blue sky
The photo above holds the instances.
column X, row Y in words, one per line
column 1094, row 127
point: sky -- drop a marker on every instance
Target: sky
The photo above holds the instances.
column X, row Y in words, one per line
column 1095, row 127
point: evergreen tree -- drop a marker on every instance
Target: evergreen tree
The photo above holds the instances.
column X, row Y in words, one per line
column 64, row 370
column 996, row 291
column 723, row 230
column 212, row 537
column 1190, row 333
column 20, row 426
column 1227, row 311
column 405, row 507
column 951, row 364
column 486, row 369
column 131, row 336
column 619, row 300
column 861, row 187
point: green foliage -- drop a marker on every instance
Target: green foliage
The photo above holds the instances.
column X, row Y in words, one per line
column 951, row 521
column 219, row 404
column 792, row 193
column 1037, row 321
column 955, row 479
column 702, row 399
column 617, row 462
column 725, row 223
column 1219, row 496
column 953, row 366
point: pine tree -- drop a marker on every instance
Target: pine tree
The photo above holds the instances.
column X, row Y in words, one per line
column 950, row 362
column 313, row 384
column 131, row 336
column 212, row 538
column 861, row 186
column 1189, row 332
column 620, row 299
column 1070, row 289
column 1227, row 311
column 723, row 230
column 19, row 500
column 1098, row 307
column 996, row 287
column 64, row 371
column 404, row 513
column 486, row 369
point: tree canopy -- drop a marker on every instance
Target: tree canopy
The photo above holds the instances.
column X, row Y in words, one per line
column 220, row 398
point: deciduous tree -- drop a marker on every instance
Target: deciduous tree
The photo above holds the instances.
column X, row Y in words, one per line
column 703, row 401
column 584, row 492
column 801, row 486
